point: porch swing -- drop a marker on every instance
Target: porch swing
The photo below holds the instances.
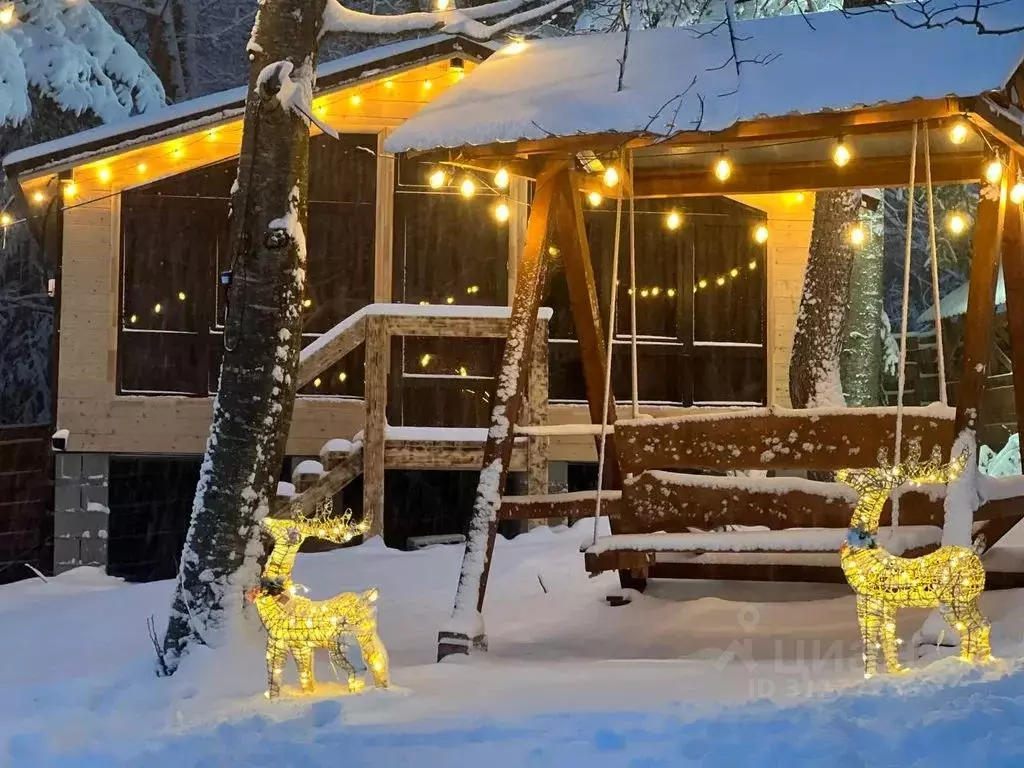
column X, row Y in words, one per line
column 661, row 496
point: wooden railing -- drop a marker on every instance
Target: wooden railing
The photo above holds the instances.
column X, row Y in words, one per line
column 374, row 326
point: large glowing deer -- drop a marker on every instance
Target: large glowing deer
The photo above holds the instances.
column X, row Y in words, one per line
column 951, row 578
column 298, row 626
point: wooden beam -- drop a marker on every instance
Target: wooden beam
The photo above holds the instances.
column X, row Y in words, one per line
column 331, row 352
column 443, row 455
column 343, row 473
column 774, row 439
column 383, row 240
column 450, row 327
column 808, row 176
column 505, row 407
column 537, row 411
column 988, row 234
column 984, row 114
column 378, row 361
column 559, row 505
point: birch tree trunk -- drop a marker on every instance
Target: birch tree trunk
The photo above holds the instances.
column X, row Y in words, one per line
column 861, row 362
column 814, row 369
column 252, row 411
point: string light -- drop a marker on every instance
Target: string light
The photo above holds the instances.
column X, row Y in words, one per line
column 655, row 291
column 103, row 174
column 389, row 84
column 1017, row 193
column 467, row 188
column 501, row 179
column 723, row 168
column 857, row 235
column 719, row 281
column 437, row 179
column 182, row 296
column 501, row 212
column 158, row 308
column 141, row 169
column 425, row 360
column 7, row 15
column 673, row 220
column 317, row 382
column 594, row 198
column 958, row 132
column 752, row 265
column 133, row 319
column 702, row 283
column 307, row 303
column 461, row 370
column 951, row 578
column 38, row 197
column 356, row 100
column 342, row 376
column 6, row 219
column 297, row 625
column 427, row 85
column 450, row 300
column 734, row 272
column 441, row 5
column 671, row 292
column 645, row 293
column 993, row 171
column 611, row 176
column 956, row 223
column 841, row 154
column 211, row 135
column 70, row 190
column 473, row 289
column 761, row 234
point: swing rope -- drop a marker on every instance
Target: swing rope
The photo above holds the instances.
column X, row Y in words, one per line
column 935, row 268
column 603, row 446
column 632, row 292
column 903, row 321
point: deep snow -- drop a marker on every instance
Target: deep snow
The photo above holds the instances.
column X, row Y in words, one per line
column 693, row 673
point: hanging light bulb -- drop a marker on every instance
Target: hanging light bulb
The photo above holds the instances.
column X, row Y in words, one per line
column 103, row 174
column 501, row 179
column 38, row 197
column 673, row 220
column 441, row 5
column 141, row 169
column 356, row 100
column 761, row 234
column 389, row 84
column 611, row 176
column 70, row 190
column 841, row 154
column 993, row 171
column 723, row 168
column 307, row 303
column 342, row 376
column 752, row 265
column 437, row 179
column 1017, row 193
column 427, row 85
column 182, row 295
column 7, row 15
column 158, row 308
column 425, row 360
column 857, row 235
column 959, row 132
column 467, row 188
column 956, row 223
column 719, row 281
column 211, row 135
column 450, row 300
column 671, row 292
column 594, row 198
column 6, row 219
column 702, row 283
column 501, row 212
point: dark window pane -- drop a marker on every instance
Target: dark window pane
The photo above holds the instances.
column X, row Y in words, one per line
column 448, row 382
column 162, row 363
column 729, row 375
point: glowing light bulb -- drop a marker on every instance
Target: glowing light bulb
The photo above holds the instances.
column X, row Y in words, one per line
column 857, row 235
column 103, row 174
column 389, row 84
column 437, row 179
column 450, row 300
column 993, row 171
column 342, row 376
column 671, row 292
column 6, row 219
column 501, row 212
column 461, row 370
column 959, row 132
column 133, row 319
column 356, row 100
column 956, row 223
column 761, row 234
column 141, row 168
column 316, row 383
column 841, row 154
column 611, row 176
column 594, row 198
column 7, row 15
column 427, row 85
column 182, row 295
column 211, row 135
column 158, row 308
column 516, row 46
column 645, row 293
column 655, row 291
column 467, row 188
column 441, row 5
column 70, row 189
column 1017, row 193
column 501, row 179
column 702, row 283
column 723, row 169
column 673, row 220
column 752, row 266
column 734, row 272
column 719, row 281
column 38, row 197
column 425, row 360
column 307, row 303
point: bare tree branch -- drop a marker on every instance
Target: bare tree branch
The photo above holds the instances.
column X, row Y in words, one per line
column 928, row 14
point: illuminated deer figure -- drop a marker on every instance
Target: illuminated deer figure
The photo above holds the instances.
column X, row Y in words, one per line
column 951, row 578
column 299, row 626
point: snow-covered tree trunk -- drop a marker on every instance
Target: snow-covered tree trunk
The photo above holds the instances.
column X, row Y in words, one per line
column 252, row 411
column 814, row 370
column 861, row 362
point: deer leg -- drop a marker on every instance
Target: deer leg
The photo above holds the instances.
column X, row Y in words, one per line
column 277, row 655
column 977, row 633
column 956, row 616
column 376, row 657
column 340, row 659
column 303, row 655
column 890, row 645
column 868, row 615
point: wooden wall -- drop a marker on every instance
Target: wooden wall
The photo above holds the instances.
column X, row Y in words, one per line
column 26, row 502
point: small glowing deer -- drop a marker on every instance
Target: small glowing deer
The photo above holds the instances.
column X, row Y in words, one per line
column 951, row 578
column 298, row 625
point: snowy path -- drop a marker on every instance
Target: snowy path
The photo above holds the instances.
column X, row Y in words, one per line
column 667, row 680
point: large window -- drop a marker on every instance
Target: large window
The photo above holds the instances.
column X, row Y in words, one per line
column 447, row 250
column 174, row 244
column 700, row 305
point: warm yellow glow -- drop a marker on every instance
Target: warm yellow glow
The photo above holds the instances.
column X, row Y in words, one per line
column 389, row 84
column 177, row 153
column 516, row 46
column 70, row 190
column 211, row 135
column 437, row 179
column 702, row 283
column 103, row 174
column 761, row 234
column 441, row 5
column 959, row 132
column 342, row 376
column 799, row 197
column 611, row 176
column 857, row 235
column 450, row 300
column 38, row 197
column 133, row 319
column 719, row 281
column 427, row 85
column 950, row 579
column 841, row 154
column 734, row 272
column 356, row 100
column 752, row 266
column 673, row 220
column 307, row 303
column 467, row 188
column 425, row 360
column 594, row 198
column 182, row 295
column 552, row 251
column 297, row 626
column 461, row 370
column 1017, row 193
column 158, row 308
column 993, row 171
column 655, row 291
column 956, row 223
column 473, row 289
column 501, row 212
column 723, row 169
column 6, row 219
column 671, row 292
column 501, row 179
column 317, row 382
column 7, row 15
column 141, row 168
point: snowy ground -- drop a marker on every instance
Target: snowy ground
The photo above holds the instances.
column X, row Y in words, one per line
column 690, row 674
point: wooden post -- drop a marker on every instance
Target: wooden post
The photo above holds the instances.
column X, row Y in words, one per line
column 586, row 312
column 384, row 236
column 537, row 403
column 466, row 628
column 375, row 387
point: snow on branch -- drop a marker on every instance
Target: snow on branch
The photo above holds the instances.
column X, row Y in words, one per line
column 295, row 95
column 466, row 21
column 929, row 14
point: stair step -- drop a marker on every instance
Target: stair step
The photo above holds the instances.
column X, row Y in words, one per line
column 315, row 487
column 337, row 450
column 306, row 474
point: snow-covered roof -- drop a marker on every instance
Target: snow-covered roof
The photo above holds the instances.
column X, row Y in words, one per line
column 684, row 79
column 216, row 107
column 954, row 303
